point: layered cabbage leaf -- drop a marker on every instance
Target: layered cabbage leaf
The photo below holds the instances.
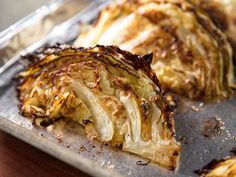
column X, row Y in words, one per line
column 223, row 14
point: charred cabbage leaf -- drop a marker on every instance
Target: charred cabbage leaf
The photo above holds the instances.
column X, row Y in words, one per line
column 191, row 55
column 221, row 168
column 223, row 14
column 113, row 94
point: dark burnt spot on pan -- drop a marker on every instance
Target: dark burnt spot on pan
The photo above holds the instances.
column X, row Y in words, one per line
column 233, row 151
column 212, row 127
column 213, row 164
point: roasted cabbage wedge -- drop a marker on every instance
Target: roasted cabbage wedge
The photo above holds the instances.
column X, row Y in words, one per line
column 221, row 168
column 223, row 14
column 113, row 94
column 191, row 55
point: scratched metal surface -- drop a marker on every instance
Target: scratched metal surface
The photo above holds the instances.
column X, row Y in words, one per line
column 203, row 138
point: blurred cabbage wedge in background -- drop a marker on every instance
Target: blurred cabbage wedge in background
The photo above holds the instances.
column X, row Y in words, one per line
column 192, row 56
column 223, row 14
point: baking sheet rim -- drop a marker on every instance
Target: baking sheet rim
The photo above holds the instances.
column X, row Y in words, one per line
column 55, row 150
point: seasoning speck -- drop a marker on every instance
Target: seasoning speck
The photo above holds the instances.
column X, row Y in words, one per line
column 194, row 108
column 201, row 104
column 82, row 148
column 140, row 162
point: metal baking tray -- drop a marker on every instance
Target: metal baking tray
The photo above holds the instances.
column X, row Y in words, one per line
column 206, row 130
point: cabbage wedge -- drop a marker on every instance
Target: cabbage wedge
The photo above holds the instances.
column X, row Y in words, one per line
column 223, row 14
column 192, row 56
column 222, row 168
column 113, row 94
